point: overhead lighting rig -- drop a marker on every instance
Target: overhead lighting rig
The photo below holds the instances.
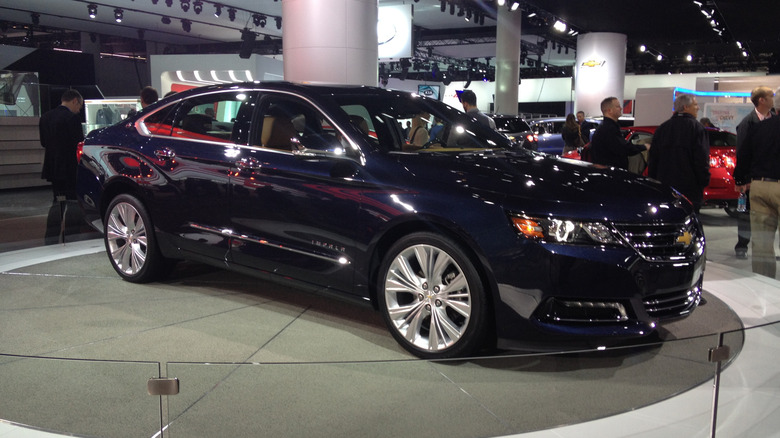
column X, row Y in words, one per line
column 92, row 10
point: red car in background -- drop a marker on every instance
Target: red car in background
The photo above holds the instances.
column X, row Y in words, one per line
column 723, row 157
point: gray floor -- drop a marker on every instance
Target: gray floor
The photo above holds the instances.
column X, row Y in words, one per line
column 257, row 359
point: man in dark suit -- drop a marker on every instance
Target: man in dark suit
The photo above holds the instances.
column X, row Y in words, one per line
column 60, row 133
column 680, row 152
column 758, row 169
column 762, row 100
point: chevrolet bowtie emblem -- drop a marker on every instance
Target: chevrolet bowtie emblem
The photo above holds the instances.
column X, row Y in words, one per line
column 685, row 238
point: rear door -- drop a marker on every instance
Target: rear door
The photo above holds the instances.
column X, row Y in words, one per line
column 194, row 146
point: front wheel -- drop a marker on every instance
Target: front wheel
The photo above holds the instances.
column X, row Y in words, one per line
column 131, row 243
column 432, row 297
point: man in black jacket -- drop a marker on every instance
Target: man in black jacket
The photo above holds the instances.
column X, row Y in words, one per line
column 758, row 169
column 609, row 146
column 680, row 152
column 60, row 132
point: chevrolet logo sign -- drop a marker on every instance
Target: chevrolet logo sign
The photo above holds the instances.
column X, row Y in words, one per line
column 685, row 238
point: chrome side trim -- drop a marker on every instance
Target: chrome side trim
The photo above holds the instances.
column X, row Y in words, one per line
column 342, row 260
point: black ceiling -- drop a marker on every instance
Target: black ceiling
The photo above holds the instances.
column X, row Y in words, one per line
column 673, row 28
column 677, row 28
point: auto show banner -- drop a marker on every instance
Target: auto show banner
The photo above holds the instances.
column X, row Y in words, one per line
column 599, row 71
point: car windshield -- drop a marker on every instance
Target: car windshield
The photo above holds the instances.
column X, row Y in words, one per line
column 408, row 123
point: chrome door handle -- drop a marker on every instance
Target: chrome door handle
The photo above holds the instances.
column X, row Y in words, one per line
column 165, row 154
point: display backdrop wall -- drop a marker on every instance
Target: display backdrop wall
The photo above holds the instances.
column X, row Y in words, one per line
column 600, row 70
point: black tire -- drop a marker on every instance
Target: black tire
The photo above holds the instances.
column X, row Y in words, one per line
column 731, row 210
column 131, row 244
column 432, row 297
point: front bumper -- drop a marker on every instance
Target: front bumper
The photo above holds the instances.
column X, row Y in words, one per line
column 587, row 296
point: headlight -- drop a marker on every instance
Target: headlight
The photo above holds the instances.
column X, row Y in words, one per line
column 564, row 230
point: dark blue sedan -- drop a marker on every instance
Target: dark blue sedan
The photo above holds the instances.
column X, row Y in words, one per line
column 459, row 242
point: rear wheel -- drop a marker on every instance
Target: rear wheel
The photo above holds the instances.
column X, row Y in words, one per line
column 131, row 243
column 432, row 297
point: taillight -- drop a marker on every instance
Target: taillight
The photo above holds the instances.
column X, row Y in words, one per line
column 79, row 151
column 724, row 159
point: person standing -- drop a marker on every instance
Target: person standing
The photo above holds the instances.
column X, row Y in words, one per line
column 585, row 127
column 680, row 152
column 571, row 135
column 758, row 169
column 60, row 133
column 147, row 96
column 762, row 101
column 609, row 146
column 469, row 100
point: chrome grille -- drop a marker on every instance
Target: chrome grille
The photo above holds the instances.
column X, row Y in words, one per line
column 662, row 242
column 673, row 304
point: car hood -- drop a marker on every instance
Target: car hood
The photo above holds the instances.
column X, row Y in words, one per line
column 539, row 184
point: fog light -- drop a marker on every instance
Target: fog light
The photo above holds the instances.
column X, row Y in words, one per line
column 585, row 311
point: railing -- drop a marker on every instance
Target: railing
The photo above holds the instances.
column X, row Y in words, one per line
column 661, row 389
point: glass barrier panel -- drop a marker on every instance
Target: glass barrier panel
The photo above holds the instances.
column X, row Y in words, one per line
column 492, row 396
column 80, row 397
column 749, row 391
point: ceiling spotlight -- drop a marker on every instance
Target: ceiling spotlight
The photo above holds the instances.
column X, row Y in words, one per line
column 154, row 2
column 515, row 5
column 185, row 5
column 643, row 48
column 197, row 6
column 165, row 20
column 169, row 3
column 689, row 58
column 186, row 25
column 660, row 57
column 232, row 14
column 36, row 18
column 92, row 10
column 501, row 2
column 443, row 5
column 217, row 10
column 278, row 22
column 560, row 26
column 745, row 53
column 259, row 20
column 119, row 15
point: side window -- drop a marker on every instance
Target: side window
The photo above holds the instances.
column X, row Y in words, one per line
column 160, row 122
column 220, row 117
column 291, row 124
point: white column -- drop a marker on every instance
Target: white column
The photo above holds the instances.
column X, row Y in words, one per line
column 600, row 71
column 508, row 48
column 333, row 41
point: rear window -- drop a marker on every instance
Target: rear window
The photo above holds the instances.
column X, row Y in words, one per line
column 507, row 124
column 722, row 138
